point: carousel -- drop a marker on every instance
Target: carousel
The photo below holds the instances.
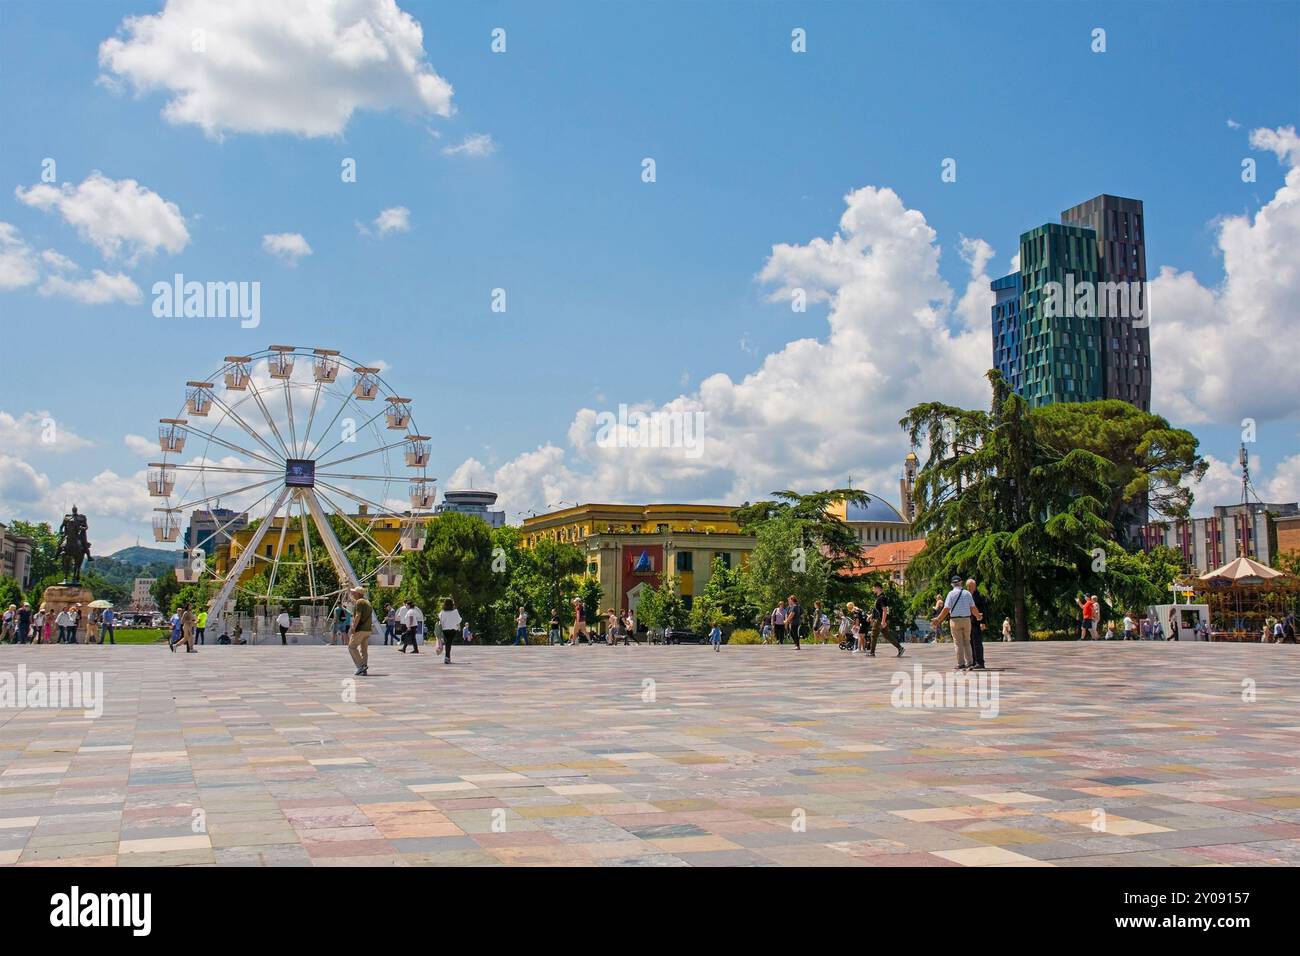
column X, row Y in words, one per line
column 1244, row 595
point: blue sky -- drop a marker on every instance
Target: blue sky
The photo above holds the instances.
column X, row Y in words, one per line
column 618, row 290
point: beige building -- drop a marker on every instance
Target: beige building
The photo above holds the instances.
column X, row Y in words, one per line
column 630, row 547
column 16, row 557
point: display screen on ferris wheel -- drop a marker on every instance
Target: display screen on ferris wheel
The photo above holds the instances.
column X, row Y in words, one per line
column 293, row 467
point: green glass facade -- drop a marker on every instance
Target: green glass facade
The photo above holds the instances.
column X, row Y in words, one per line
column 1058, row 355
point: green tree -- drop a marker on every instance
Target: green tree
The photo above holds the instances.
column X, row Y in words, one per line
column 10, row 593
column 1147, row 458
column 164, row 590
column 1134, row 580
column 996, row 503
column 44, row 544
column 784, row 562
column 663, row 606
column 456, row 562
column 811, row 513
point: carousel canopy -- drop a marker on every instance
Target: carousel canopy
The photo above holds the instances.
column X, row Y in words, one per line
column 1242, row 570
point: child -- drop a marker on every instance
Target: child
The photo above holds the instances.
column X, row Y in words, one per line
column 715, row 636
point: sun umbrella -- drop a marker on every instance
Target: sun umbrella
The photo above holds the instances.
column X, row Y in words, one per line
column 101, row 603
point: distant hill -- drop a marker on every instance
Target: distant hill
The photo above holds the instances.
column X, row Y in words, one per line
column 141, row 555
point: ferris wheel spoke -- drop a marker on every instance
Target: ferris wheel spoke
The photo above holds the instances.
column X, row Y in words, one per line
column 293, row 431
column 362, row 533
column 222, row 527
column 363, row 454
column 227, row 469
column 224, row 494
column 311, row 416
column 344, row 477
column 322, row 454
column 198, row 432
column 266, row 414
column 252, row 432
column 357, row 498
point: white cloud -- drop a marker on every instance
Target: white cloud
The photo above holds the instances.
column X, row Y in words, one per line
column 100, row 289
column 392, row 219
column 1231, row 351
column 290, row 246
column 819, row 409
column 1273, row 483
column 36, row 431
column 301, row 67
column 58, row 261
column 17, row 259
column 475, row 144
column 1233, row 124
column 115, row 215
column 139, row 445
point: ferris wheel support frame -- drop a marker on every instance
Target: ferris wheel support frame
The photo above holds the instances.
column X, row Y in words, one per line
column 218, row 606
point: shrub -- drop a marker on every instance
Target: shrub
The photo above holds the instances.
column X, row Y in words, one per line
column 1051, row 636
column 746, row 635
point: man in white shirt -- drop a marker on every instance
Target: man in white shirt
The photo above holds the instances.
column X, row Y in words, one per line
column 413, row 618
column 958, row 609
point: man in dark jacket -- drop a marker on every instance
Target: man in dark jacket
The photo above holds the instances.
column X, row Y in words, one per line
column 976, row 628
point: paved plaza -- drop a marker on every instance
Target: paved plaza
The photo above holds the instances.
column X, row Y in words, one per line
column 1100, row 754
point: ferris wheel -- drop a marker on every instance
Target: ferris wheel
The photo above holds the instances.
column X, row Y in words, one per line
column 279, row 455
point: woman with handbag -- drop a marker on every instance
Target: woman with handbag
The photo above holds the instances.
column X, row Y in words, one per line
column 449, row 622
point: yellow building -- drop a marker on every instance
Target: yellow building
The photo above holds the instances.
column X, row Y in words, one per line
column 629, row 547
column 386, row 532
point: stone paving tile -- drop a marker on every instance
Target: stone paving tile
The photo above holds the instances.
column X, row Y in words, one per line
column 1131, row 754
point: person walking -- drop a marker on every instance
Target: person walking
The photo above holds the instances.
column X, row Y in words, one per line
column 410, row 628
column 363, row 616
column 958, row 608
column 977, row 626
column 338, row 625
column 715, row 637
column 200, row 626
column 521, row 627
column 1006, row 629
column 38, row 625
column 108, row 628
column 553, row 635
column 390, row 622
column 846, row 625
column 25, row 624
column 579, row 623
column 778, row 622
column 793, row 620
column 187, row 628
column 880, row 621
column 861, row 628
column 1091, row 610
column 449, row 623
column 1130, row 629
column 282, row 622
column 415, row 626
column 629, row 627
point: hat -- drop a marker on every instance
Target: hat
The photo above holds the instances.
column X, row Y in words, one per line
column 956, row 579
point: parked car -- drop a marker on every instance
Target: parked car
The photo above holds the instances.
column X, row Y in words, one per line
column 682, row 636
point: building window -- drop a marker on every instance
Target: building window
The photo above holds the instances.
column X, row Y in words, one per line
column 685, row 560
column 724, row 557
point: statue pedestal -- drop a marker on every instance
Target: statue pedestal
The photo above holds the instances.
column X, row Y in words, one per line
column 60, row 597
